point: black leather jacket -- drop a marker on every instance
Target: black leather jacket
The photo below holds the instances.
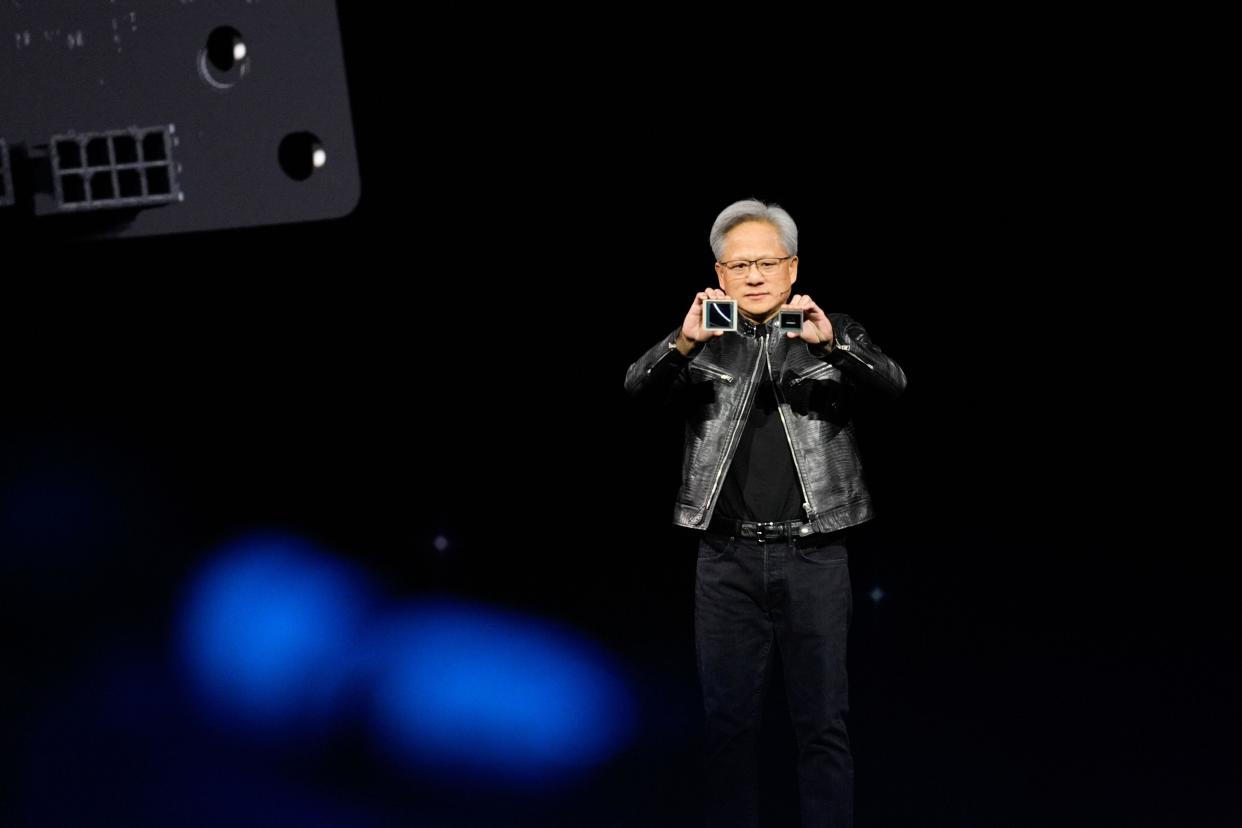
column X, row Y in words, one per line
column 715, row 385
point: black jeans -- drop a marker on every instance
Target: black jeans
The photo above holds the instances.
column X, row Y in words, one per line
column 794, row 594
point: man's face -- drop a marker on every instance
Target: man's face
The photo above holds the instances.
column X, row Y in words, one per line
column 758, row 294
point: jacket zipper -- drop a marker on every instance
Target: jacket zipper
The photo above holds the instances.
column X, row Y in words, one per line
column 711, row 493
column 712, row 370
column 780, row 399
column 817, row 372
column 849, row 352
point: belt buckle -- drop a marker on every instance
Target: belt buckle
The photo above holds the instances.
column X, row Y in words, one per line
column 765, row 532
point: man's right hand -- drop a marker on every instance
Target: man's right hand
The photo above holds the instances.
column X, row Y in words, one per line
column 692, row 331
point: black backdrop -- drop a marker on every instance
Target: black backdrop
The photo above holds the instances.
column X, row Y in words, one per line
column 448, row 360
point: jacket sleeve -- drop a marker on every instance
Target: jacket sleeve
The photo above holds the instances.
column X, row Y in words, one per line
column 860, row 359
column 656, row 376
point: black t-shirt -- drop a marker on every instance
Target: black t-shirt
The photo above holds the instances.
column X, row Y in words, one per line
column 762, row 482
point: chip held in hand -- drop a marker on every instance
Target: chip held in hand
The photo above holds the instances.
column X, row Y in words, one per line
column 719, row 315
column 790, row 321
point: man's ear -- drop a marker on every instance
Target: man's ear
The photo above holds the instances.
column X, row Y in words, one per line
column 793, row 270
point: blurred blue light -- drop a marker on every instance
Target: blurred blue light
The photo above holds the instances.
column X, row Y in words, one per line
column 469, row 691
column 268, row 627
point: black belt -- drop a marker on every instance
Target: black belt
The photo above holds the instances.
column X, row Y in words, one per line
column 761, row 532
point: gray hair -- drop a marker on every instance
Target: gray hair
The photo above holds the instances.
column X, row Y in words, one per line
column 754, row 210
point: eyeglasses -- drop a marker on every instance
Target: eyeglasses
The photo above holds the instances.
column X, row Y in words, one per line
column 738, row 268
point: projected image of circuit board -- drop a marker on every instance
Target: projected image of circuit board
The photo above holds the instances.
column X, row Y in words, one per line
column 149, row 118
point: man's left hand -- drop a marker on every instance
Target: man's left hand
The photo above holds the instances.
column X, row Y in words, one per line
column 816, row 329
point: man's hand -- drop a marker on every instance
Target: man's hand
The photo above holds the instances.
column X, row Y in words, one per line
column 692, row 329
column 816, row 329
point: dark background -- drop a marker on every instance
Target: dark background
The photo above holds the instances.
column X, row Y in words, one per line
column 1054, row 644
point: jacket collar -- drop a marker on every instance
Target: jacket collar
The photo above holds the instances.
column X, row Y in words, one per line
column 746, row 328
